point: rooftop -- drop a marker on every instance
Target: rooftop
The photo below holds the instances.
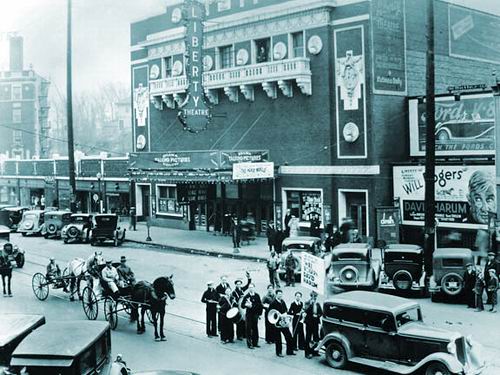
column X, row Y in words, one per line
column 372, row 301
column 14, row 325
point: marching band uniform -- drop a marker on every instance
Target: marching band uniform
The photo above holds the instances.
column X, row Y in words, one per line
column 253, row 305
column 313, row 314
column 266, row 302
column 226, row 326
column 211, row 298
column 221, row 289
column 280, row 306
column 237, row 294
column 296, row 309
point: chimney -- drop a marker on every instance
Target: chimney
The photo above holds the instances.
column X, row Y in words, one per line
column 16, row 53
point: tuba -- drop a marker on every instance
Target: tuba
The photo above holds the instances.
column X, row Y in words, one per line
column 279, row 320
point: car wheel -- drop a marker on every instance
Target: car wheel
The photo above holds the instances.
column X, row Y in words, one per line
column 443, row 136
column 437, row 368
column 72, row 232
column 20, row 260
column 452, row 284
column 349, row 274
column 402, row 280
column 336, row 355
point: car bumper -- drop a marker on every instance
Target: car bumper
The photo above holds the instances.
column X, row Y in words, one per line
column 390, row 286
column 340, row 284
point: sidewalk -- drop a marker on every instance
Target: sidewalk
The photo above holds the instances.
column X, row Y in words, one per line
column 198, row 242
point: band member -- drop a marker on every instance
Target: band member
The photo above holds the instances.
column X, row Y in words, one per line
column 313, row 314
column 110, row 276
column 297, row 310
column 266, row 302
column 237, row 294
column 221, row 289
column 280, row 305
column 469, row 285
column 226, row 326
column 211, row 298
column 252, row 304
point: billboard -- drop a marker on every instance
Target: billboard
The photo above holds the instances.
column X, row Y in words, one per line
column 463, row 127
column 464, row 195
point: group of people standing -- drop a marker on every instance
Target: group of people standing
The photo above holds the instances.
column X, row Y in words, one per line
column 477, row 281
column 305, row 318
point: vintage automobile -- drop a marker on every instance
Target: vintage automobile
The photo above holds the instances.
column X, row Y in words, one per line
column 402, row 268
column 69, row 347
column 106, row 229
column 31, row 223
column 353, row 266
column 13, row 216
column 464, row 130
column 78, row 228
column 297, row 245
column 13, row 329
column 14, row 254
column 54, row 222
column 449, row 266
column 387, row 332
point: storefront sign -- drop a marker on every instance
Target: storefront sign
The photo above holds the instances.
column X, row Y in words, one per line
column 389, row 46
column 313, row 273
column 464, row 195
column 388, row 224
column 247, row 171
column 228, row 158
column 464, row 127
column 174, row 160
column 195, row 111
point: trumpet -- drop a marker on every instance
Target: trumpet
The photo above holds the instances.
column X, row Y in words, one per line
column 279, row 320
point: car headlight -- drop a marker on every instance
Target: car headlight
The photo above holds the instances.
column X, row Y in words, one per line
column 451, row 348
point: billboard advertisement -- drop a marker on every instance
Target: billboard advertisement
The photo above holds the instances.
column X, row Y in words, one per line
column 464, row 195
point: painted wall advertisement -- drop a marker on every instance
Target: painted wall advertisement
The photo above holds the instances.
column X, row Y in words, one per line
column 463, row 127
column 388, row 219
column 313, row 273
column 465, row 195
column 389, row 46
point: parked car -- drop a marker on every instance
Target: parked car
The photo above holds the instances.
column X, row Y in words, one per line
column 14, row 254
column 387, row 332
column 31, row 223
column 54, row 222
column 449, row 266
column 402, row 268
column 106, row 229
column 78, row 228
column 14, row 216
column 297, row 245
column 14, row 328
column 69, row 347
column 353, row 266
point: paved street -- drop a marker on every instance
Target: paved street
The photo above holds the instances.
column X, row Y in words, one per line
column 187, row 346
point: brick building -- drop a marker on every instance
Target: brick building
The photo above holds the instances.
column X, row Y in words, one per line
column 319, row 88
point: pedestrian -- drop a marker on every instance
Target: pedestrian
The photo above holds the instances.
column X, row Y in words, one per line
column 280, row 305
column 288, row 217
column 346, row 230
column 312, row 319
column 356, row 238
column 236, row 234
column 266, row 302
column 290, row 266
column 469, row 285
column 479, row 291
column 280, row 237
column 294, row 226
column 211, row 299
column 133, row 219
column 492, row 288
column 337, row 237
column 6, row 269
column 226, row 303
column 271, row 236
column 297, row 310
column 253, row 305
column 329, row 242
column 272, row 267
column 491, row 263
column 314, row 227
column 238, row 293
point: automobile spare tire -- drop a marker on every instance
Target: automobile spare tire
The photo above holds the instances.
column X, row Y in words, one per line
column 452, row 284
column 72, row 232
column 52, row 228
column 402, row 280
column 349, row 274
column 20, row 260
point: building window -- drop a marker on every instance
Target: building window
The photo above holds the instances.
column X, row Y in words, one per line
column 304, row 204
column 16, row 115
column 167, row 200
column 298, row 44
column 17, row 137
column 226, row 54
column 167, row 70
column 262, row 50
column 223, row 5
column 16, row 93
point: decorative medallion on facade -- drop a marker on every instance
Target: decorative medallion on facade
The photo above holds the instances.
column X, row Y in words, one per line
column 350, row 76
column 195, row 112
column 141, row 104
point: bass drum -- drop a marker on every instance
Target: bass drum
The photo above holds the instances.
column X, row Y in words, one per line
column 234, row 315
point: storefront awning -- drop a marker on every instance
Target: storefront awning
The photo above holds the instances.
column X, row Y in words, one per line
column 201, row 177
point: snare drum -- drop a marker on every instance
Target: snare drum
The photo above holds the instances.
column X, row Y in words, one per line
column 234, row 315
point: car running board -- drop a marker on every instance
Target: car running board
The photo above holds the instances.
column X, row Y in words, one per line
column 385, row 365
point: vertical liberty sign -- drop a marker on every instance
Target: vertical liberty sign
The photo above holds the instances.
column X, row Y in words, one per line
column 195, row 113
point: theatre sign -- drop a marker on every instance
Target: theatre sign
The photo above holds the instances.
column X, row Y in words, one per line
column 194, row 113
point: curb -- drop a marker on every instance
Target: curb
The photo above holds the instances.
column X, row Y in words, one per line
column 188, row 250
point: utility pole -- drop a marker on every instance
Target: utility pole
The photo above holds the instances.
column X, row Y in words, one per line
column 71, row 150
column 430, row 148
column 496, row 97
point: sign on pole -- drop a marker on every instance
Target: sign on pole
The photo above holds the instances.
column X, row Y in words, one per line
column 313, row 273
column 243, row 171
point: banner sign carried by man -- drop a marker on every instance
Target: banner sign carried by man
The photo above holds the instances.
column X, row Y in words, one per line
column 313, row 273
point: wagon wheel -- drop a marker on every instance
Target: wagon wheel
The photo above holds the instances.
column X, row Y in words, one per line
column 110, row 312
column 40, row 286
column 90, row 303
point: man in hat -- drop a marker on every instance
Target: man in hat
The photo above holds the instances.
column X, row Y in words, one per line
column 211, row 298
column 272, row 267
column 125, row 272
column 279, row 305
column 479, row 291
column 221, row 289
column 312, row 319
column 492, row 289
column 266, row 303
column 110, row 277
column 290, row 266
column 271, row 236
column 296, row 310
column 53, row 270
column 491, row 263
column 469, row 285
column 237, row 295
column 253, row 305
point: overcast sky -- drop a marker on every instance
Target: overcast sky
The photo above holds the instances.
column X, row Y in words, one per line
column 101, row 31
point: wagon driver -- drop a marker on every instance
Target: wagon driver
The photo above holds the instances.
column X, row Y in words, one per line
column 110, row 276
column 125, row 272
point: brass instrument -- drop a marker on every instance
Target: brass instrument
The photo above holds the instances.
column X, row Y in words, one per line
column 279, row 320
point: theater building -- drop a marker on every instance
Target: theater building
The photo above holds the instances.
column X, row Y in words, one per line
column 319, row 89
